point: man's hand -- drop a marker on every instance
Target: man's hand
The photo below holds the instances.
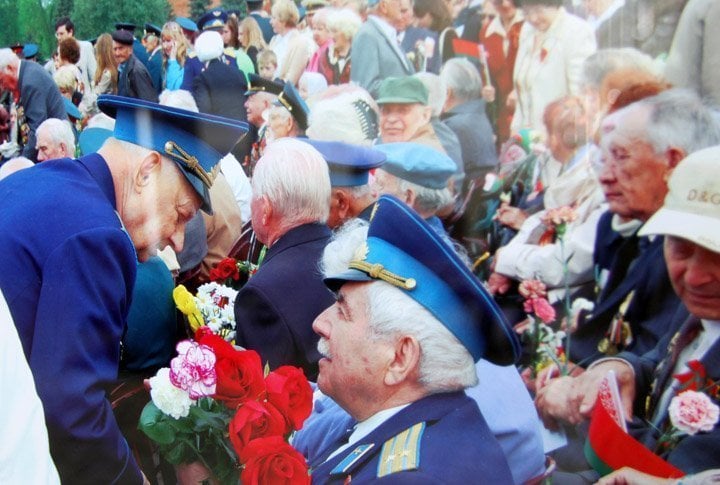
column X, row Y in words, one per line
column 510, row 216
column 630, row 476
column 553, row 402
column 587, row 386
column 498, row 284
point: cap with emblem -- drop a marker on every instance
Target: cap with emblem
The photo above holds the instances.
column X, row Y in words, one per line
column 186, row 24
column 130, row 27
column 152, row 29
column 213, row 19
column 692, row 205
column 259, row 84
column 349, row 165
column 404, row 251
column 419, row 164
column 402, row 90
column 194, row 141
column 123, row 37
column 293, row 102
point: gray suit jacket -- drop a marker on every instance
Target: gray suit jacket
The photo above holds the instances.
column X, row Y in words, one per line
column 375, row 57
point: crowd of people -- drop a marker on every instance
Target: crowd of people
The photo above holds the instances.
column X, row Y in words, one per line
column 432, row 182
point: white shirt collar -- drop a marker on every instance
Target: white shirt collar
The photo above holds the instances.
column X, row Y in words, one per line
column 496, row 26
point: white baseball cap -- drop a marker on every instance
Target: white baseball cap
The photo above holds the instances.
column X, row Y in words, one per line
column 692, row 206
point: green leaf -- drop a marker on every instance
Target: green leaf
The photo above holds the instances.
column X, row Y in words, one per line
column 155, row 424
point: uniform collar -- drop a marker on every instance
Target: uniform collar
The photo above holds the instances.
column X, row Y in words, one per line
column 97, row 167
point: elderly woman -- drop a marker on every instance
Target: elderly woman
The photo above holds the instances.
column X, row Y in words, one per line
column 553, row 45
column 335, row 63
column 291, row 47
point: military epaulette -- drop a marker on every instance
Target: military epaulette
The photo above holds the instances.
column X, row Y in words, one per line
column 229, row 51
column 191, row 55
column 402, row 452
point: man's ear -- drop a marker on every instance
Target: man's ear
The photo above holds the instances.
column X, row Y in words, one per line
column 410, row 196
column 266, row 211
column 674, row 156
column 426, row 114
column 405, row 361
column 149, row 165
column 341, row 201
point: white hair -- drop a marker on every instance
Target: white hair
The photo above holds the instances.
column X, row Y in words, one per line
column 59, row 132
column 604, row 61
column 178, row 98
column 462, row 77
column 295, row 177
column 13, row 165
column 209, row 45
column 678, row 118
column 7, row 58
column 426, row 198
column 445, row 364
column 344, row 21
column 437, row 92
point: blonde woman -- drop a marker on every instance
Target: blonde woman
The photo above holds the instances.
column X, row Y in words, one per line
column 288, row 43
column 106, row 74
column 251, row 38
column 174, row 50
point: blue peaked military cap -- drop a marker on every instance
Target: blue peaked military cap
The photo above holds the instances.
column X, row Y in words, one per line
column 91, row 139
column 152, row 29
column 187, row 24
column 419, row 164
column 404, row 251
column 130, row 27
column 29, row 51
column 213, row 19
column 257, row 84
column 349, row 164
column 194, row 141
column 293, row 102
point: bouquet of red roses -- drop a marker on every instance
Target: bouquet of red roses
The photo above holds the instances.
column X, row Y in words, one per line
column 217, row 406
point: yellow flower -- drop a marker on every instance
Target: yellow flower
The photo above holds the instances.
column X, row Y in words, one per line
column 186, row 304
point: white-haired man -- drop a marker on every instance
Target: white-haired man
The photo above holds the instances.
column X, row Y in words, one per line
column 55, row 139
column 399, row 347
column 289, row 209
column 68, row 277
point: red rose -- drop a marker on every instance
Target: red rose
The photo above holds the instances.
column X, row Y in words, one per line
column 255, row 420
column 272, row 461
column 289, row 390
column 227, row 268
column 239, row 378
column 204, row 335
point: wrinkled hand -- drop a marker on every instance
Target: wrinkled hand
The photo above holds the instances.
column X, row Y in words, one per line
column 488, row 93
column 498, row 284
column 552, row 371
column 510, row 216
column 554, row 404
column 630, row 476
column 587, row 386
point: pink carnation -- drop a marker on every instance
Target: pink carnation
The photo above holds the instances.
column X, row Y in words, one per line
column 531, row 289
column 693, row 411
column 193, row 370
column 541, row 308
column 559, row 216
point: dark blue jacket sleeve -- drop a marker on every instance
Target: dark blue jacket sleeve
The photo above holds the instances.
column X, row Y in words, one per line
column 83, row 304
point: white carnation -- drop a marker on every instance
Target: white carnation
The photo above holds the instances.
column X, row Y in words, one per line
column 169, row 399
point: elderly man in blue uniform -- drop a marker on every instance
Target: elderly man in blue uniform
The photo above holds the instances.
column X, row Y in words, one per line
column 68, row 276
column 419, row 176
column 688, row 220
column 399, row 347
column 350, row 165
column 276, row 308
